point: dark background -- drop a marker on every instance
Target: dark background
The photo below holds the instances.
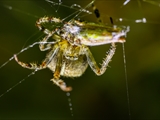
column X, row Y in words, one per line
column 92, row 96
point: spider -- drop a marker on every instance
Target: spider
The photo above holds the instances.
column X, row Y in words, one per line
column 70, row 55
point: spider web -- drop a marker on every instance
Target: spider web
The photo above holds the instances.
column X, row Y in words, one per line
column 92, row 96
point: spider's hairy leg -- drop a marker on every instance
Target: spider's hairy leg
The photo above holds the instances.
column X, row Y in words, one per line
column 56, row 79
column 106, row 60
column 44, row 47
column 30, row 65
column 40, row 24
column 44, row 63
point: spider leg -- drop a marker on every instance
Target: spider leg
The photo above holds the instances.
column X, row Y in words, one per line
column 44, row 47
column 106, row 60
column 61, row 84
column 44, row 63
column 56, row 79
column 40, row 24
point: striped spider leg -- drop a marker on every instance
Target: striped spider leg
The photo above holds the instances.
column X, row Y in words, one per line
column 70, row 55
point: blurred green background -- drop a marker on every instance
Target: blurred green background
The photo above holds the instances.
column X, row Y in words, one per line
column 92, row 96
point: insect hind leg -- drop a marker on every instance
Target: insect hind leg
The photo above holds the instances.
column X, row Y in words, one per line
column 96, row 12
column 106, row 60
column 108, row 57
column 98, row 15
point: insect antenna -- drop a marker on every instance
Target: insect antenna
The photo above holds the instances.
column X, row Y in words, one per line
column 126, row 78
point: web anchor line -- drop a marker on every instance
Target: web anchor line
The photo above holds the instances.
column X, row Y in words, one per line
column 11, row 88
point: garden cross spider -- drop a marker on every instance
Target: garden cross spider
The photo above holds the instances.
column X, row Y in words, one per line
column 70, row 55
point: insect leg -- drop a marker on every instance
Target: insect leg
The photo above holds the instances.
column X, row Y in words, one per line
column 106, row 60
column 56, row 79
column 96, row 12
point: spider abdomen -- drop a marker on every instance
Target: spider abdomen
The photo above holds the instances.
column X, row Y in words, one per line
column 71, row 68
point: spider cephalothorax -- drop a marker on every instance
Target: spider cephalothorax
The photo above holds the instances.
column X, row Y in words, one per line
column 70, row 55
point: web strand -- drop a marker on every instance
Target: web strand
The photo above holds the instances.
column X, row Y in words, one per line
column 11, row 88
column 78, row 9
column 24, row 49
